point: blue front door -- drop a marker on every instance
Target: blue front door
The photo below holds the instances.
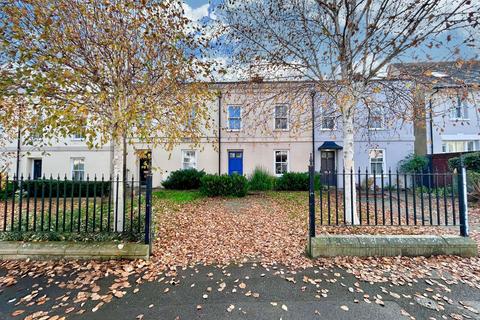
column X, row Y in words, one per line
column 235, row 162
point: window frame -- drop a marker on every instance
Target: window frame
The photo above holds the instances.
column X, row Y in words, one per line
column 446, row 144
column 195, row 159
column 275, row 161
column 77, row 137
column 234, row 118
column 286, row 117
column 384, row 161
column 72, row 168
column 382, row 121
column 460, row 104
column 334, row 120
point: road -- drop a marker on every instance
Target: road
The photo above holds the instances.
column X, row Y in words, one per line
column 247, row 291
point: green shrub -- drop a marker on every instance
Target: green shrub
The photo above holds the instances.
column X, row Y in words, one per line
column 295, row 181
column 224, row 185
column 261, row 180
column 471, row 161
column 6, row 189
column 473, row 185
column 413, row 163
column 65, row 188
column 186, row 179
column 433, row 191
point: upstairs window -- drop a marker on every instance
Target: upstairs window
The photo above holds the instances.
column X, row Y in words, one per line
column 78, row 137
column 191, row 117
column 459, row 111
column 78, row 169
column 376, row 119
column 189, row 159
column 281, row 117
column 234, row 118
column 328, row 120
column 377, row 161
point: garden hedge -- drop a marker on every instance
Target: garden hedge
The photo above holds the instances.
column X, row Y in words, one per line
column 295, row 181
column 224, row 185
column 65, row 188
column 471, row 161
column 185, row 179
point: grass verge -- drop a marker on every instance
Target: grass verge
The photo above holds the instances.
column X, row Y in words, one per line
column 178, row 196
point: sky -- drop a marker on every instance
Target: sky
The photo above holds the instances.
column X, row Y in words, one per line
column 196, row 9
column 202, row 10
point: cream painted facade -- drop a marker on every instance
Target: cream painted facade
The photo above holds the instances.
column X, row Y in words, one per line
column 257, row 139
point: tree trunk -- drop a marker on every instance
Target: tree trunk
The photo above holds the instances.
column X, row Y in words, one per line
column 118, row 188
column 349, row 165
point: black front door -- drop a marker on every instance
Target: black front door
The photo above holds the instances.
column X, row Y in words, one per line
column 37, row 168
column 328, row 168
column 145, row 166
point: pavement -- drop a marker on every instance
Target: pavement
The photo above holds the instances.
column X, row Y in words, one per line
column 250, row 291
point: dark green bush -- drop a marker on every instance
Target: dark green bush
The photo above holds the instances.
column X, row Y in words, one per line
column 224, row 185
column 64, row 188
column 471, row 161
column 473, row 185
column 413, row 163
column 295, row 181
column 261, row 180
column 186, row 179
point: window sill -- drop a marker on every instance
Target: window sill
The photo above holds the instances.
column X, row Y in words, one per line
column 281, row 130
column 326, row 129
column 377, row 129
column 233, row 130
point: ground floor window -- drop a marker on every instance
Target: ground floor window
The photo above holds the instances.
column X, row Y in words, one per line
column 461, row 145
column 281, row 161
column 189, row 159
column 78, row 168
column 377, row 160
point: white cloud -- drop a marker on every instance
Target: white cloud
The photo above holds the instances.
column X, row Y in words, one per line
column 197, row 13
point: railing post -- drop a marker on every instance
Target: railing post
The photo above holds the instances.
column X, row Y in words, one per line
column 311, row 198
column 148, row 210
column 462, row 198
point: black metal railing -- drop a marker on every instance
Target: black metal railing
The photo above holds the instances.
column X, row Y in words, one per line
column 92, row 206
column 388, row 198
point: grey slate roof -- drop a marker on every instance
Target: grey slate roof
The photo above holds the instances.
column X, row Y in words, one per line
column 451, row 73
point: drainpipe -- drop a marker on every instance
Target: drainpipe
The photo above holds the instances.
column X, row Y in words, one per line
column 220, row 133
column 312, row 94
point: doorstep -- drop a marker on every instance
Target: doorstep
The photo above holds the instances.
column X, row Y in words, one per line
column 55, row 250
column 391, row 245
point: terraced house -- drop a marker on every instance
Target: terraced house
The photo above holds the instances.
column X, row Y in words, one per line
column 277, row 125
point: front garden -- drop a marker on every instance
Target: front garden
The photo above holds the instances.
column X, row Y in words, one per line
column 269, row 227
